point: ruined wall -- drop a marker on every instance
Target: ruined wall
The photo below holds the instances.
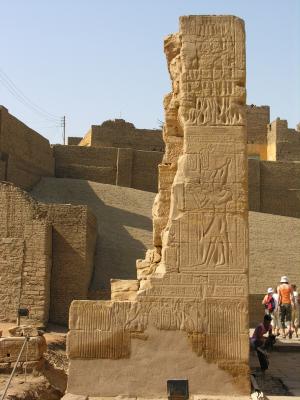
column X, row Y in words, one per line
column 73, row 245
column 111, row 165
column 258, row 118
column 74, row 140
column 46, row 256
column 193, row 291
column 119, row 133
column 25, row 156
column 25, row 256
column 283, row 143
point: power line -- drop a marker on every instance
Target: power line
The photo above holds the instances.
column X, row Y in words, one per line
column 20, row 96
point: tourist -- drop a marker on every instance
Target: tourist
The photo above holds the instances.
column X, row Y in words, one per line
column 269, row 302
column 295, row 310
column 261, row 343
column 276, row 315
column 285, row 301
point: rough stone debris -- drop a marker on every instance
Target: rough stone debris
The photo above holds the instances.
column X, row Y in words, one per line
column 190, row 316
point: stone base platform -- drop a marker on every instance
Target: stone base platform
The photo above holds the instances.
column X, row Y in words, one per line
column 70, row 396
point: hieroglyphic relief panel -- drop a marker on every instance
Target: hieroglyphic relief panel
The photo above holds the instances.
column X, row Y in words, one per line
column 213, row 78
column 227, row 337
column 112, row 344
column 196, row 278
column 203, row 242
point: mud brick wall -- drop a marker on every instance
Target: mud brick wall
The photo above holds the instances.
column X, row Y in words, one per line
column 74, row 140
column 25, row 156
column 2, row 169
column 268, row 259
column 11, row 262
column 25, row 256
column 89, row 163
column 145, row 170
column 254, row 184
column 46, row 256
column 283, row 142
column 73, row 246
column 258, row 118
column 115, row 166
column 280, row 188
column 119, row 133
column 274, row 187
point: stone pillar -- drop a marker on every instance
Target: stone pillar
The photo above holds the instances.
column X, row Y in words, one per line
column 190, row 316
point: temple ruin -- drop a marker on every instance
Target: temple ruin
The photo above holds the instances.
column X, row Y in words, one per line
column 175, row 302
column 76, row 224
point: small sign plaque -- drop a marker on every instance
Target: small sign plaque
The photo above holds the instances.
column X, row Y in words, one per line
column 178, row 389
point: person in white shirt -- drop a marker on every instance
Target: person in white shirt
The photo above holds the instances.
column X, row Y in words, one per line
column 276, row 315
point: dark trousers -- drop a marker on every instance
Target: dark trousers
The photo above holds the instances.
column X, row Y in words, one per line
column 285, row 314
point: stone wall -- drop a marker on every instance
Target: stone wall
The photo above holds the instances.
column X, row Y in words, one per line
column 46, row 256
column 115, row 166
column 283, row 142
column 25, row 156
column 119, row 133
column 274, row 187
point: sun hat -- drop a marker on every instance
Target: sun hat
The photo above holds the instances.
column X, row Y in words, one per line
column 270, row 290
column 284, row 279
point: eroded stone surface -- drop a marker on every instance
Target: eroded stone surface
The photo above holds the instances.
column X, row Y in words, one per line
column 193, row 291
column 10, row 348
column 23, row 330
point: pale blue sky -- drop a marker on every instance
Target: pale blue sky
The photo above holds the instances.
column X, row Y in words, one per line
column 94, row 60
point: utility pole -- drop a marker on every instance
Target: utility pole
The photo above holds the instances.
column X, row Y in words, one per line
column 64, row 128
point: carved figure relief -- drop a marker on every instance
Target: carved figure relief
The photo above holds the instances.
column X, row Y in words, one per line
column 197, row 282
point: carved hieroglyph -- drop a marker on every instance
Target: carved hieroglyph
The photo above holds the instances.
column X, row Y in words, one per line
column 196, row 278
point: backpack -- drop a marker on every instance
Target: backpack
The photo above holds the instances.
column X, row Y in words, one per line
column 270, row 304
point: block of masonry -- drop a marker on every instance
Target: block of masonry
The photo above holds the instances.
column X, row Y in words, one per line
column 189, row 316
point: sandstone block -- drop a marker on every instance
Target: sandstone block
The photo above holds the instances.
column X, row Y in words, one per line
column 10, row 348
column 69, row 396
column 124, row 289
